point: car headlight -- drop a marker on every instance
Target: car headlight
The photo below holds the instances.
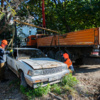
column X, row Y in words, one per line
column 34, row 72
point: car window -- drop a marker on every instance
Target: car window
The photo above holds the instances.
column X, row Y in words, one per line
column 31, row 53
column 10, row 54
column 33, row 38
column 13, row 54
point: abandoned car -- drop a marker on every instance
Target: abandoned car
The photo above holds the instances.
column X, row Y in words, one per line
column 33, row 67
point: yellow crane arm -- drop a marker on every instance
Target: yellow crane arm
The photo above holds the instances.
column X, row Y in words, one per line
column 37, row 26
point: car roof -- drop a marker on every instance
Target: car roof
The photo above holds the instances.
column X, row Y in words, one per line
column 26, row 49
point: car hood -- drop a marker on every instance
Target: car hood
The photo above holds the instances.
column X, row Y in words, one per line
column 41, row 63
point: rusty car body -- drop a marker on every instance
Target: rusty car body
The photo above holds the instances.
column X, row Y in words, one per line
column 33, row 67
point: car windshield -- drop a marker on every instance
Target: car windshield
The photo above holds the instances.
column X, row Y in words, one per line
column 31, row 53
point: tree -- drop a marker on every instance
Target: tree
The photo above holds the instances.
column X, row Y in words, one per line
column 67, row 15
column 8, row 10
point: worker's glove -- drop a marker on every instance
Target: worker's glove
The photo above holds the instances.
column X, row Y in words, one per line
column 11, row 51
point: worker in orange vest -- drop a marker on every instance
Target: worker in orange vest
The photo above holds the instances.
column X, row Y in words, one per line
column 68, row 62
column 2, row 61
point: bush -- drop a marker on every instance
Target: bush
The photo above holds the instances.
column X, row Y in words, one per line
column 42, row 90
column 35, row 92
column 56, row 88
column 69, row 80
column 69, row 89
column 67, row 85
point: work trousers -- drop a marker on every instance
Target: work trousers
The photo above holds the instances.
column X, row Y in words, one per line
column 2, row 71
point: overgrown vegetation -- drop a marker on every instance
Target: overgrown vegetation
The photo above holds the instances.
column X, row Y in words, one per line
column 66, row 86
column 37, row 92
column 56, row 89
column 69, row 80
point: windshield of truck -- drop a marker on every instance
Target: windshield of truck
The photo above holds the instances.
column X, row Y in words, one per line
column 31, row 53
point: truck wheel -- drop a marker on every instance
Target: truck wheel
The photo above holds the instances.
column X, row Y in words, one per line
column 22, row 80
column 79, row 61
column 58, row 55
column 51, row 54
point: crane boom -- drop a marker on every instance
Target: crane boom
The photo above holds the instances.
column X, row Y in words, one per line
column 37, row 26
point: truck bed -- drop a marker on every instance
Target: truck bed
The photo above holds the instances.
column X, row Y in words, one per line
column 88, row 37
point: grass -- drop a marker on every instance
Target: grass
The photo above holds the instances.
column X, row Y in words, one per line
column 65, row 86
column 56, row 89
column 69, row 90
column 68, row 83
column 31, row 93
column 69, row 80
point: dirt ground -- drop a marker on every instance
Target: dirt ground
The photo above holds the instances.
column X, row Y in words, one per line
column 89, row 82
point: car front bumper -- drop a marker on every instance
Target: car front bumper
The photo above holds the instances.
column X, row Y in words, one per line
column 45, row 79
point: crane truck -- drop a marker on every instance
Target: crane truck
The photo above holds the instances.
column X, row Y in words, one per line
column 77, row 44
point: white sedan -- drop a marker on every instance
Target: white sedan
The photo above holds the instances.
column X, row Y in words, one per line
column 33, row 67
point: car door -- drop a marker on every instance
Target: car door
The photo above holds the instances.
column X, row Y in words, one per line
column 11, row 61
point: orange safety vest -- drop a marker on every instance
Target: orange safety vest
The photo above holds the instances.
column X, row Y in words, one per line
column 68, row 62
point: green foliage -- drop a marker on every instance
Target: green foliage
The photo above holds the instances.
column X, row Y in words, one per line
column 35, row 92
column 66, row 15
column 66, row 86
column 69, row 89
column 69, row 80
column 11, row 9
column 22, row 89
column 1, row 15
column 56, row 88
column 61, row 15
column 42, row 90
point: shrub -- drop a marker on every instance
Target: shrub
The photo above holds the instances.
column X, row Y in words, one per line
column 56, row 88
column 69, row 80
column 42, row 90
column 69, row 89
column 67, row 85
column 35, row 92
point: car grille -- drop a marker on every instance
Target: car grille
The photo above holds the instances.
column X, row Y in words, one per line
column 52, row 70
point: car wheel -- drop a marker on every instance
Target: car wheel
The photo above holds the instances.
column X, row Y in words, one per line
column 22, row 80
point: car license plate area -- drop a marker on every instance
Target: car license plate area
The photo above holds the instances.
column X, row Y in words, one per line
column 53, row 78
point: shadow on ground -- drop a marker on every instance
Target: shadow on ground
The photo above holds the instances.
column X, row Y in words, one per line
column 88, row 61
column 84, row 69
